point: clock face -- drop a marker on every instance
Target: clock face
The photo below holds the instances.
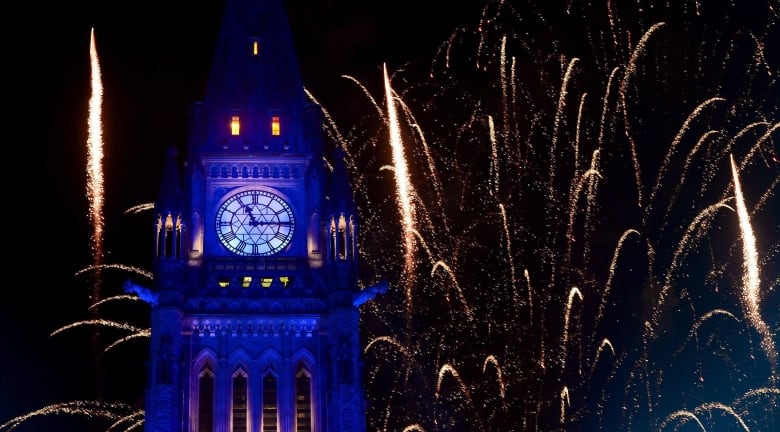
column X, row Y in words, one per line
column 255, row 223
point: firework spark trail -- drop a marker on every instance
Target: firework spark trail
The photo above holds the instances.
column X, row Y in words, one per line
column 684, row 171
column 143, row 334
column 711, row 406
column 756, row 147
column 450, row 370
column 693, row 232
column 667, row 160
column 605, row 105
column 711, row 169
column 685, row 415
column 95, row 160
column 558, row 118
column 565, row 342
column 333, row 130
column 576, row 190
column 491, row 359
column 565, row 401
column 758, row 392
column 140, row 208
column 430, row 160
column 89, row 409
column 495, row 170
column 136, row 270
column 578, row 134
column 530, row 296
column 137, row 419
column 510, row 259
column 608, row 284
column 448, row 270
column 695, row 329
column 116, row 298
column 630, row 71
column 101, row 322
column 751, row 297
column 604, row 343
column 403, row 185
column 590, row 203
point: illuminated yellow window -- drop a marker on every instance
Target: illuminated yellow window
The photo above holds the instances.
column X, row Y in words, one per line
column 246, row 281
column 285, row 280
column 266, row 282
column 255, row 41
column 223, row 282
column 275, row 126
column 235, row 125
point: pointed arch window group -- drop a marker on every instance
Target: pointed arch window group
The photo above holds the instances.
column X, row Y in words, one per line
column 282, row 403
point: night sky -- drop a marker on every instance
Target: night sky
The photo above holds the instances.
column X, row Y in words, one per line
column 155, row 58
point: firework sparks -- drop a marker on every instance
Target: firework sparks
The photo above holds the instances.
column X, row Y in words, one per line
column 95, row 159
column 751, row 296
column 404, row 189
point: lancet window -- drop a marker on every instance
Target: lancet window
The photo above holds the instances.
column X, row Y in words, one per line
column 206, row 400
column 302, row 401
column 239, row 404
column 270, row 405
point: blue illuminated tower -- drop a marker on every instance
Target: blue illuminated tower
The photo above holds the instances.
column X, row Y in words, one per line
column 253, row 324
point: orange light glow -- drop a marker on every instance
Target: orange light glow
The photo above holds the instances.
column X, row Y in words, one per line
column 275, row 126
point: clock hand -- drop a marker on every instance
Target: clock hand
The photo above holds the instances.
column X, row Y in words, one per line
column 253, row 221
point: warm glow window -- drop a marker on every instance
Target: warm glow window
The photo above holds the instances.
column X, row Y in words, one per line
column 255, row 46
column 270, row 408
column 206, row 401
column 235, row 125
column 276, row 127
column 239, row 403
column 302, row 402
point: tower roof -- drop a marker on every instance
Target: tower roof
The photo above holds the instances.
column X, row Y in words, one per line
column 254, row 75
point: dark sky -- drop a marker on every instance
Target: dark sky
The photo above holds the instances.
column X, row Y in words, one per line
column 155, row 57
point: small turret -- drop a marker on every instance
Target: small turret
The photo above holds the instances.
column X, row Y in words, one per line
column 168, row 209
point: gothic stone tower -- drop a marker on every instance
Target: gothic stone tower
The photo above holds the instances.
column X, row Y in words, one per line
column 253, row 323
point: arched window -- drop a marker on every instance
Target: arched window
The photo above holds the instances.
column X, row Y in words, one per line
column 302, row 401
column 270, row 404
column 239, row 401
column 206, row 400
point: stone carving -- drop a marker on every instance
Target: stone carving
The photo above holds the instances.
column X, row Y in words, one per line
column 369, row 293
column 142, row 292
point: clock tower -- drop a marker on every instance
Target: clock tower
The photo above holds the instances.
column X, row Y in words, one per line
column 253, row 323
